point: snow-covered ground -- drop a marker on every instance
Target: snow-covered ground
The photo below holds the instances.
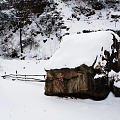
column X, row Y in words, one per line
column 26, row 101
column 20, row 100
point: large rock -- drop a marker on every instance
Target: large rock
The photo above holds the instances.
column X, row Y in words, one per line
column 65, row 78
column 76, row 82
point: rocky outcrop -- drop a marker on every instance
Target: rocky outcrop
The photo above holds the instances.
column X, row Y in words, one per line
column 76, row 82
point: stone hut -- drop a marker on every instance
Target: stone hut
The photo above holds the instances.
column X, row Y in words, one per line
column 73, row 70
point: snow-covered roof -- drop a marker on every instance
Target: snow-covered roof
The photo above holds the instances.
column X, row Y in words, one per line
column 81, row 49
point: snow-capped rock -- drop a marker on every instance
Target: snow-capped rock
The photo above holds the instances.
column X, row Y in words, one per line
column 82, row 49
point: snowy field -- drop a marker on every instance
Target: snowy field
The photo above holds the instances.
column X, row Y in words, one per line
column 26, row 100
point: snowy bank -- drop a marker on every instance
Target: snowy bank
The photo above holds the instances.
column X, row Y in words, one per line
column 26, row 101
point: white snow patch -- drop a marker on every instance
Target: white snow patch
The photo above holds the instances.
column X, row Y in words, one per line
column 114, row 74
column 115, row 13
column 116, row 77
column 3, row 1
column 117, row 84
column 99, row 76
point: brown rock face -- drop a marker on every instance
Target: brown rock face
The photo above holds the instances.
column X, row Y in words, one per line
column 78, row 82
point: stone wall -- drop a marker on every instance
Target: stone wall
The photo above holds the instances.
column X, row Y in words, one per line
column 78, row 82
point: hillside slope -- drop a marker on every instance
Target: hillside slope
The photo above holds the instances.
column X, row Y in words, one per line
column 42, row 31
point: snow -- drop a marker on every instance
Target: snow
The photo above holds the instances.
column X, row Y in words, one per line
column 117, row 84
column 99, row 76
column 81, row 49
column 114, row 74
column 115, row 13
column 101, row 20
column 116, row 77
column 9, row 12
column 26, row 100
column 3, row 1
column 27, row 67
